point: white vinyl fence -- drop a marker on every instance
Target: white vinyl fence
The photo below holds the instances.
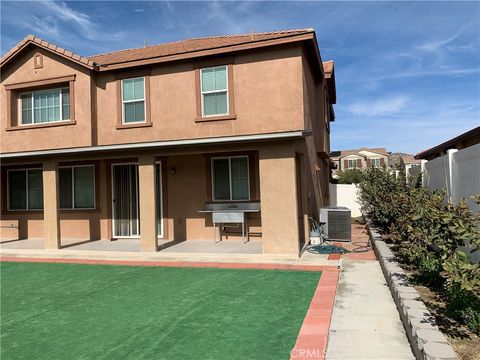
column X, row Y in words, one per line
column 345, row 195
column 458, row 172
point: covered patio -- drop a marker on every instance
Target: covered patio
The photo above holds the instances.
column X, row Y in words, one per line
column 158, row 201
column 133, row 245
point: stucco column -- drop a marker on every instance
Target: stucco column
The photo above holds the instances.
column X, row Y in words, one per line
column 278, row 196
column 51, row 200
column 148, row 215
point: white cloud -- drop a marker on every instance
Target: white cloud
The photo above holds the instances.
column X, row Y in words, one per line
column 437, row 46
column 63, row 12
column 385, row 106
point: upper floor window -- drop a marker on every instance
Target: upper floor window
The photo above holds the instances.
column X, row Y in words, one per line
column 376, row 162
column 230, row 178
column 214, row 90
column 45, row 106
column 25, row 189
column 133, row 100
column 352, row 164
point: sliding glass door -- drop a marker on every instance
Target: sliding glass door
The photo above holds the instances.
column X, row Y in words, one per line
column 125, row 201
column 126, row 222
column 159, row 199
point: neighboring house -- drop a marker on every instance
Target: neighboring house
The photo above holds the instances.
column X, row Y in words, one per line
column 463, row 141
column 407, row 162
column 135, row 143
column 357, row 159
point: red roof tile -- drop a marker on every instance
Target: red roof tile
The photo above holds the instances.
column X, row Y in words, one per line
column 191, row 45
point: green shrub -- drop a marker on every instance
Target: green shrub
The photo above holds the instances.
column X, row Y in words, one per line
column 349, row 176
column 427, row 232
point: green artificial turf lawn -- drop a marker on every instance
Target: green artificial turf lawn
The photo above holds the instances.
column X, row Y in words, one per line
column 67, row 311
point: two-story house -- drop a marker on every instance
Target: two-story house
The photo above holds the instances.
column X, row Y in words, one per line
column 136, row 143
column 358, row 159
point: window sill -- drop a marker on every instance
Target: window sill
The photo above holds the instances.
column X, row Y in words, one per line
column 133, row 126
column 62, row 211
column 215, row 118
column 41, row 126
column 231, row 202
column 22, row 212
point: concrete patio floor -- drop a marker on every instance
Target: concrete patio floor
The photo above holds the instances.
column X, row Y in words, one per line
column 133, row 245
column 129, row 249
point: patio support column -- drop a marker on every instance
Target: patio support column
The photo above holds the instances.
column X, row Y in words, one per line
column 148, row 214
column 51, row 200
column 278, row 192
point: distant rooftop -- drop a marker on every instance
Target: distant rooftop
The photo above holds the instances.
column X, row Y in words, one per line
column 343, row 153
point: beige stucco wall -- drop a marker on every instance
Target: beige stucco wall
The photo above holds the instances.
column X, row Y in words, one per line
column 22, row 70
column 317, row 169
column 278, row 186
column 267, row 96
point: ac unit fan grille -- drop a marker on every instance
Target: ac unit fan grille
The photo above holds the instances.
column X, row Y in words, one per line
column 339, row 225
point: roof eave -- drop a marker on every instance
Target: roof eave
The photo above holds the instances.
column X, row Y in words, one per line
column 210, row 52
column 449, row 143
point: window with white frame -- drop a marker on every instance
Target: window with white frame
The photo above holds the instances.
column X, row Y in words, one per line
column 25, row 189
column 45, row 106
column 133, row 100
column 375, row 162
column 214, row 89
column 77, row 187
column 230, row 178
column 352, row 164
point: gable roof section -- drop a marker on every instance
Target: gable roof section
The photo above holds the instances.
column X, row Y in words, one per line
column 342, row 153
column 31, row 39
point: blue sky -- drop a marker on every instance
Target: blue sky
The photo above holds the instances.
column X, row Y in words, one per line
column 408, row 73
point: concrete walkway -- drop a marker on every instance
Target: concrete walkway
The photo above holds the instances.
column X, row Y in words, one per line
column 365, row 323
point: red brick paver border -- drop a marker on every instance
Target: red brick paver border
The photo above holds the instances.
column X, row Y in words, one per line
column 219, row 265
column 313, row 336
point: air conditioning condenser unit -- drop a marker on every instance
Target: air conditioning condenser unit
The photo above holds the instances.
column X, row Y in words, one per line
column 337, row 223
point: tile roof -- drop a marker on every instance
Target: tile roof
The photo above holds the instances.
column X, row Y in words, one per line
column 179, row 49
column 409, row 159
column 191, row 45
column 343, row 153
column 49, row 46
